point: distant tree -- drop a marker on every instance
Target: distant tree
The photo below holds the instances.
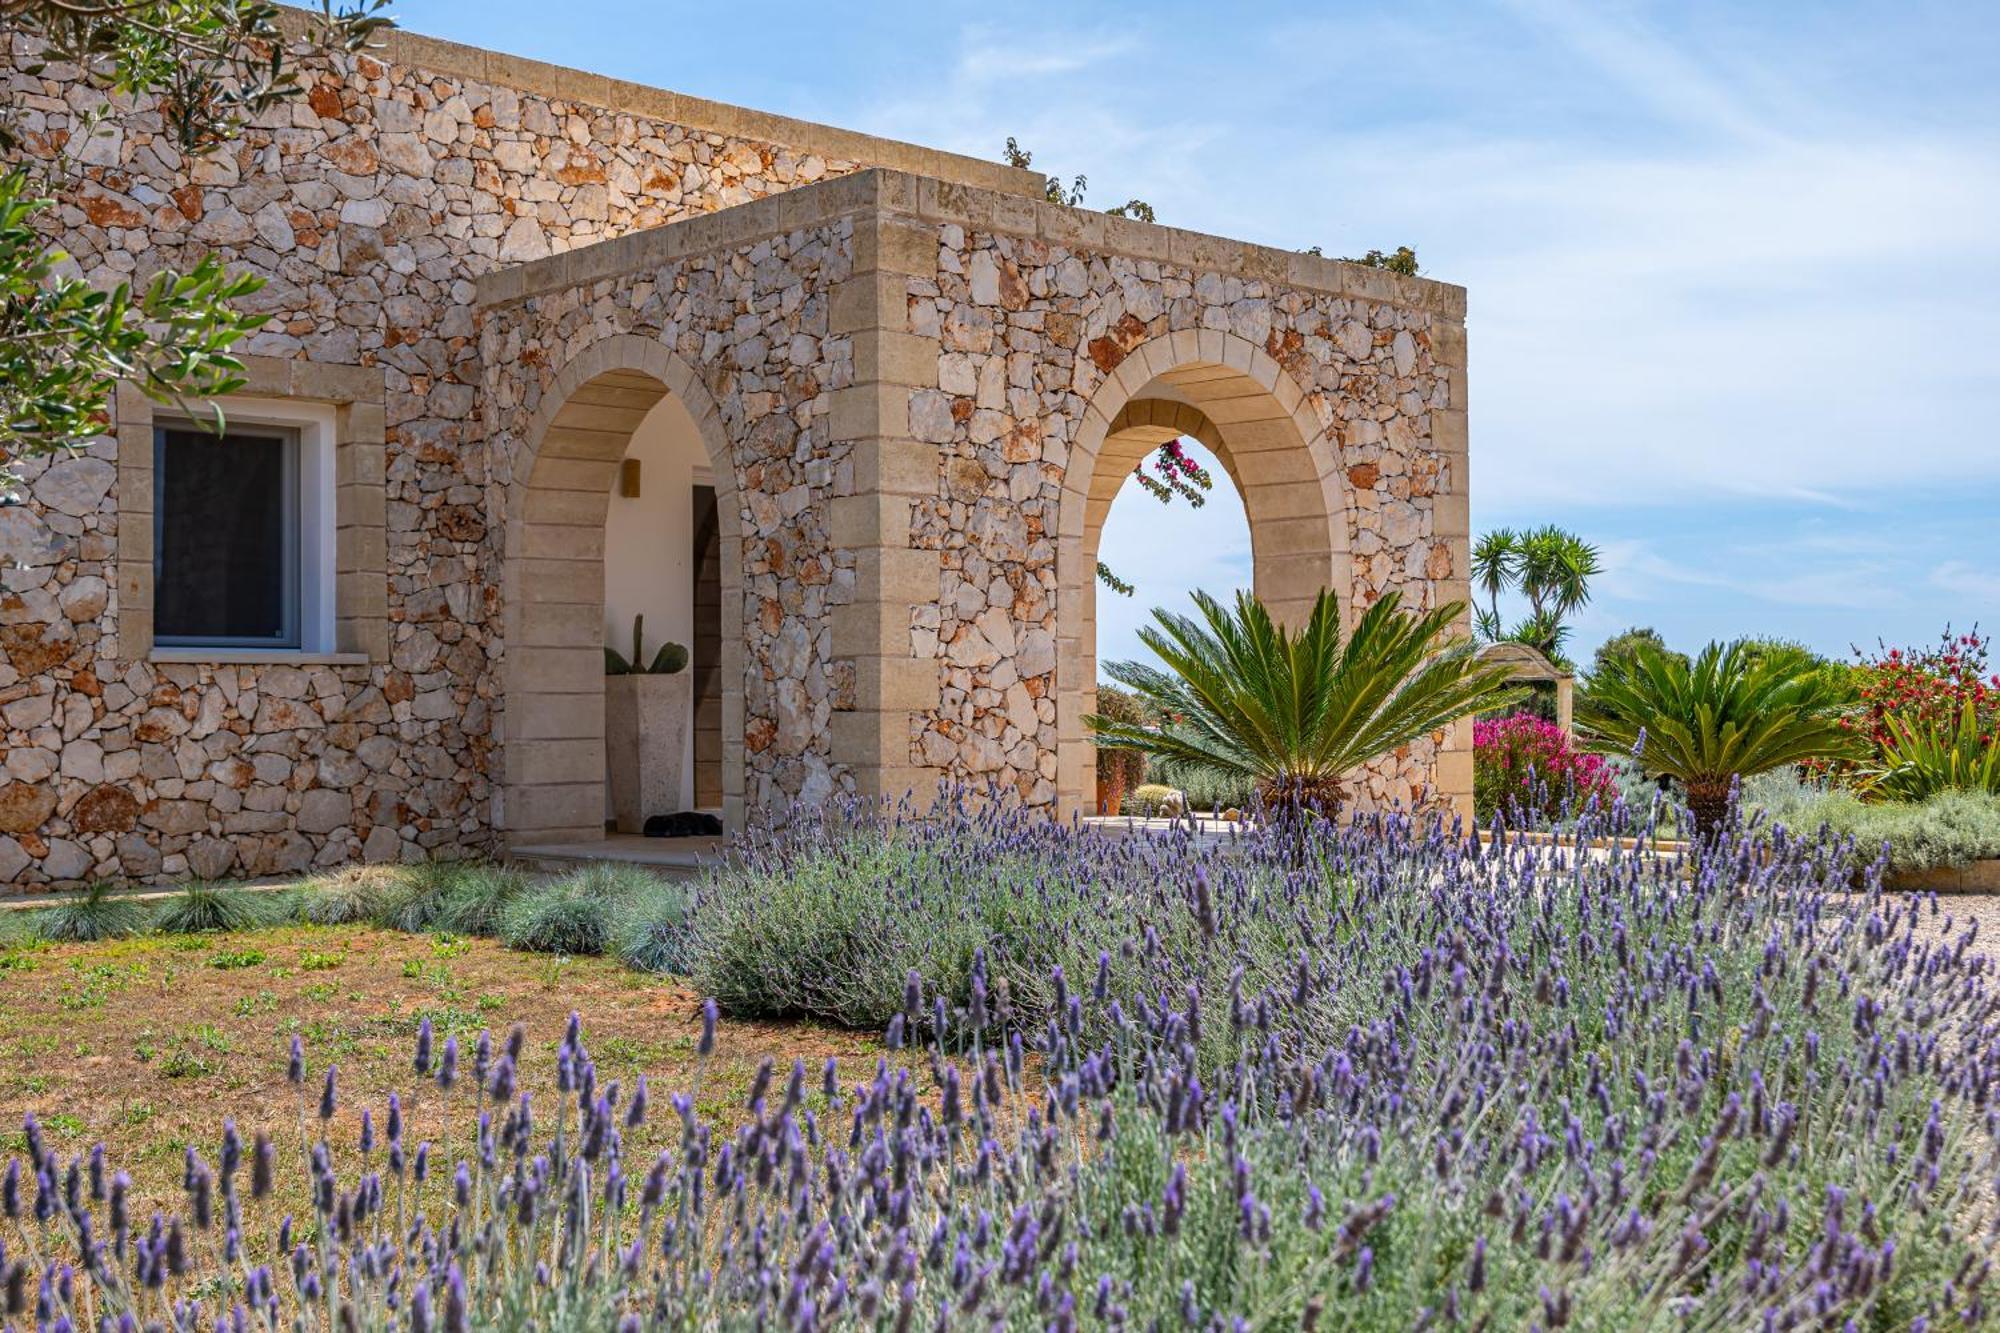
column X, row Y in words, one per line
column 1621, row 648
column 205, row 67
column 1550, row 567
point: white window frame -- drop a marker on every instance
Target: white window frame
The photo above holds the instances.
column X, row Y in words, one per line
column 314, row 426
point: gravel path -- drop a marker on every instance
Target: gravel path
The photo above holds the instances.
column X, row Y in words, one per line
column 1950, row 913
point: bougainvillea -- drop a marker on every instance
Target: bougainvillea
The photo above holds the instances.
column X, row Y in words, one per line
column 1397, row 1081
column 1523, row 766
column 1178, row 475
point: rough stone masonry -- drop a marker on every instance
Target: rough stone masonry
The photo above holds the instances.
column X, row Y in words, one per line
column 919, row 384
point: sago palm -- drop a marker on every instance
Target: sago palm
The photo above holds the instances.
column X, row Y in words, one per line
column 1730, row 713
column 1295, row 712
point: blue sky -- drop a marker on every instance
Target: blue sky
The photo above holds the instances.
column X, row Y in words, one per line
column 1734, row 269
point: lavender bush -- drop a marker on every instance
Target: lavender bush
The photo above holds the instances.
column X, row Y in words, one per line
column 1367, row 1078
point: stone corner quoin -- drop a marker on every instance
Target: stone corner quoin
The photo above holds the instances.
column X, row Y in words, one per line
column 918, row 386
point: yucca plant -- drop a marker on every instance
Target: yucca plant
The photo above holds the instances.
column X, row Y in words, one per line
column 1731, row 713
column 1919, row 760
column 1296, row 712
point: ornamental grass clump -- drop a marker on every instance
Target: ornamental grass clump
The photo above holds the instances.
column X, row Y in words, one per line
column 650, row 929
column 1386, row 1080
column 414, row 899
column 477, row 898
column 97, row 913
column 573, row 914
column 203, row 907
column 351, row 896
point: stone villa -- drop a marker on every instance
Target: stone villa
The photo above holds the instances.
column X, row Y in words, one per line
column 549, row 350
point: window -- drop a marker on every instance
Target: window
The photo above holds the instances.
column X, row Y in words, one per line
column 226, row 537
column 241, row 542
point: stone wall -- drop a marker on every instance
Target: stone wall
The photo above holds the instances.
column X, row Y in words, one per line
column 905, row 376
column 990, row 345
column 371, row 206
column 1029, row 334
column 751, row 322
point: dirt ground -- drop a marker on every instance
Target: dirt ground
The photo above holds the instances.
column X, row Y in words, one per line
column 147, row 1044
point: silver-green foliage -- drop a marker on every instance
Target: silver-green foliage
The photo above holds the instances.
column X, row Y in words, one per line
column 650, row 929
column 574, row 913
column 97, row 913
column 1951, row 828
column 477, row 898
column 204, row 907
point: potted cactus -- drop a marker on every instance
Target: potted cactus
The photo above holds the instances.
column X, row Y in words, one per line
column 647, row 708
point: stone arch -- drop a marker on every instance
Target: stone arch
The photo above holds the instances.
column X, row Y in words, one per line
column 1236, row 399
column 552, row 584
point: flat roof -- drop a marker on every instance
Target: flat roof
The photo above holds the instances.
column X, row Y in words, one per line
column 405, row 49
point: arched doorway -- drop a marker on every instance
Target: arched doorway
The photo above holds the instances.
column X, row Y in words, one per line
column 1235, row 399
column 553, row 585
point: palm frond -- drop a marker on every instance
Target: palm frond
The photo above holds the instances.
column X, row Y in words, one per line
column 1727, row 714
column 1298, row 709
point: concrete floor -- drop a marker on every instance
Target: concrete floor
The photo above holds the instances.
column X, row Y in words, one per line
column 671, row 856
column 688, row 856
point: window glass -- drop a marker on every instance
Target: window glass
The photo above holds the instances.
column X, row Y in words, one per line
column 226, row 557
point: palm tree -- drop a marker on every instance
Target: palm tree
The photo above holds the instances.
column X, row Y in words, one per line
column 1731, row 713
column 1550, row 566
column 1296, row 712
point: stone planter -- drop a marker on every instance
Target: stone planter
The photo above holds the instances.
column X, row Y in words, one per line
column 1110, row 794
column 646, row 722
column 1973, row 877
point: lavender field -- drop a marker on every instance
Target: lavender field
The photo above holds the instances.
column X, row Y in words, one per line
column 1373, row 1078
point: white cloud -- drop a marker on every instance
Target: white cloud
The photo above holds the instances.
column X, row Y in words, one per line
column 1750, row 291
column 1981, row 584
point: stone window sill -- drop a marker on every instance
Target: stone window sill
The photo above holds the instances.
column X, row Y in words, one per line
column 253, row 657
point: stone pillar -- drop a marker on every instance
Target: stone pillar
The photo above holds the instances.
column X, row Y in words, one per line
column 1451, row 526
column 361, row 533
column 894, row 690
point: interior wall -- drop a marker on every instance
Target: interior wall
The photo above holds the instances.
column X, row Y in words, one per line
column 648, row 543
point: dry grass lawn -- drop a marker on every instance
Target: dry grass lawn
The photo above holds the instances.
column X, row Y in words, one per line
column 148, row 1043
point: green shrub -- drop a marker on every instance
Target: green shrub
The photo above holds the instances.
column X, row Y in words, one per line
column 1123, row 766
column 1207, row 788
column 1920, row 758
column 477, row 896
column 1949, row 829
column 202, row 907
column 1151, row 799
column 575, row 913
column 651, row 930
column 97, row 913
